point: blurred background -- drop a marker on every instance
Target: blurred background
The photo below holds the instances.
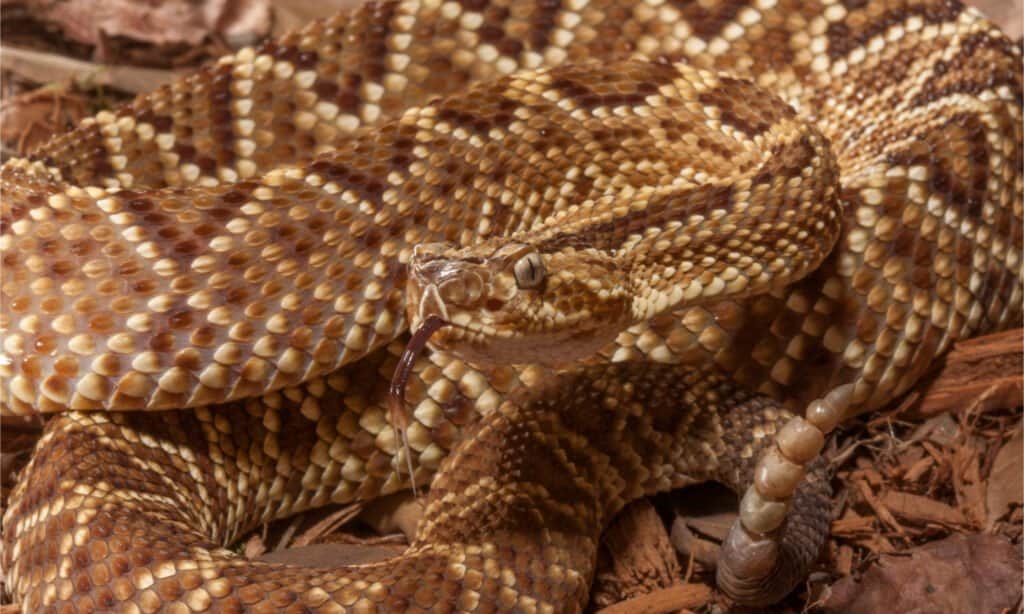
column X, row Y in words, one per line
column 63, row 60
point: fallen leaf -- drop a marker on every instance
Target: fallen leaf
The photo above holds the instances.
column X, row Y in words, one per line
column 967, row 482
column 155, row 22
column 962, row 573
column 32, row 118
column 1005, row 486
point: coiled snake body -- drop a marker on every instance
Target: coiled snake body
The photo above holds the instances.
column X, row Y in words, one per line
column 804, row 195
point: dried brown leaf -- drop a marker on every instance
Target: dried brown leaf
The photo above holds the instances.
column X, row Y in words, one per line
column 1005, row 485
column 967, row 482
column 285, row 539
column 963, row 573
column 158, row 23
column 32, row 118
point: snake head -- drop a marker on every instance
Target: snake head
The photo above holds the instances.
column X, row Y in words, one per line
column 508, row 302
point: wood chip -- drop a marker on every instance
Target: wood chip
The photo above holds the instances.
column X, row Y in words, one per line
column 672, row 599
column 844, row 560
column 853, row 525
column 883, row 514
column 918, row 469
column 915, row 508
column 967, row 482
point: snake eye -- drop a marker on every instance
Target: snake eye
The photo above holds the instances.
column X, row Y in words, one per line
column 529, row 271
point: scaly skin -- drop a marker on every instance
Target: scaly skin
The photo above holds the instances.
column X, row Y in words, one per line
column 511, row 521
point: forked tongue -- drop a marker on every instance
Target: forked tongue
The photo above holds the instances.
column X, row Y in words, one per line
column 396, row 399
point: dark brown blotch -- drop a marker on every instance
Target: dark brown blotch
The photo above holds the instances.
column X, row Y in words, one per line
column 707, row 22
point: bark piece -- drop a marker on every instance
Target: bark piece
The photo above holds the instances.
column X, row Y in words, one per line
column 637, row 555
column 916, row 508
column 672, row 599
column 987, row 370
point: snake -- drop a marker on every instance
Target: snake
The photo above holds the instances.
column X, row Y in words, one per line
column 658, row 231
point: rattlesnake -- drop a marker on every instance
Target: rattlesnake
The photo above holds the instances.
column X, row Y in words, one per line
column 241, row 238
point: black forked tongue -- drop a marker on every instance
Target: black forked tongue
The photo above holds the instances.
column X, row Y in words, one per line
column 396, row 397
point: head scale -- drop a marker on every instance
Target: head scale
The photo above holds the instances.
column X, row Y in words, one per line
column 509, row 302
